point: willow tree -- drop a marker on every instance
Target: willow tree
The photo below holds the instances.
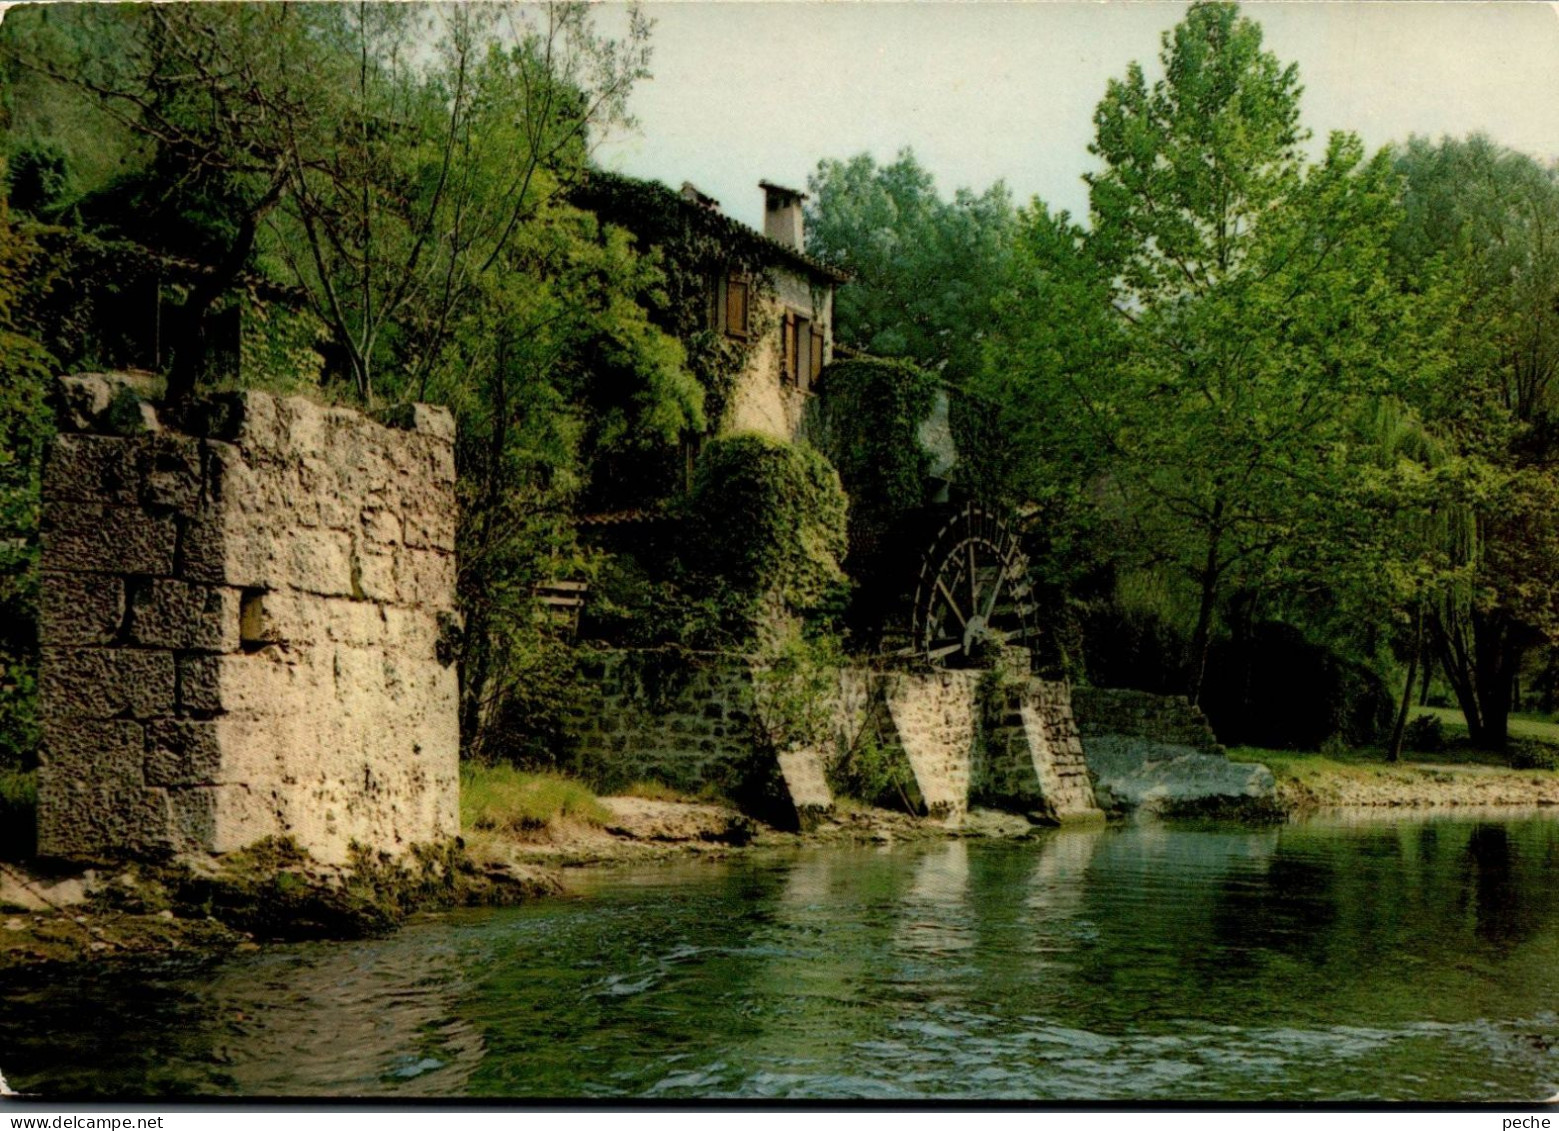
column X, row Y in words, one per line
column 1256, row 311
column 1481, row 230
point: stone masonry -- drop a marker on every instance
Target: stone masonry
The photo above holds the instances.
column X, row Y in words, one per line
column 1169, row 719
column 691, row 720
column 1032, row 757
column 245, row 626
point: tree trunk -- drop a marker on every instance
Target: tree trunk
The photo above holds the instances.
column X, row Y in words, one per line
column 1394, row 752
column 1201, row 639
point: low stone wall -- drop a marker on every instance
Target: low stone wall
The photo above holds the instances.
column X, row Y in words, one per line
column 1169, row 719
column 686, row 719
column 691, row 720
column 1158, row 754
column 243, row 627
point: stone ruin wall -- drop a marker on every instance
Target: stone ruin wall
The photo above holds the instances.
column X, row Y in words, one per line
column 244, row 627
column 696, row 719
column 1168, row 719
column 685, row 719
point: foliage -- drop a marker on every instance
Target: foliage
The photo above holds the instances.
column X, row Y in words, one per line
column 1257, row 317
column 925, row 272
column 766, row 529
column 18, row 813
column 558, row 383
column 503, row 799
column 1272, row 687
column 869, row 428
column 25, row 426
column 695, row 247
column 1530, row 754
column 1477, row 240
column 875, row 771
column 796, row 686
column 1425, row 734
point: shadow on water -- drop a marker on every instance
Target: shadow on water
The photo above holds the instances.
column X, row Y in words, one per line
column 1319, row 960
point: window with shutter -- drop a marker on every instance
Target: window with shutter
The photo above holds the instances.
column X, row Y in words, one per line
column 790, row 341
column 816, row 359
column 736, row 312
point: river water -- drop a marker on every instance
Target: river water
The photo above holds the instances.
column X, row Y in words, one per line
column 1332, row 959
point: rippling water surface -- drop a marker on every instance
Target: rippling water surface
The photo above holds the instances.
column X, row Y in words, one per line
column 1326, row 960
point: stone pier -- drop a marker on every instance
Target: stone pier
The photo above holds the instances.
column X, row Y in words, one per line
column 246, row 627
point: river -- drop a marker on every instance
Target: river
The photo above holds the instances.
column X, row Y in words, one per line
column 1334, row 959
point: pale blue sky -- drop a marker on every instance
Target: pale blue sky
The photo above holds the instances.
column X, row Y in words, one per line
column 988, row 90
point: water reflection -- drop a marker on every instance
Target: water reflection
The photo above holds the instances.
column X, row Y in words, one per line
column 1327, row 960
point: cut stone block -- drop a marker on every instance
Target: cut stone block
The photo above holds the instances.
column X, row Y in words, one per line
column 104, row 539
column 92, row 469
column 186, row 617
column 105, row 683
column 80, row 608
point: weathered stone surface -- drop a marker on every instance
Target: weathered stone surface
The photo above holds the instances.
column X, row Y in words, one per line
column 179, row 615
column 239, row 642
column 105, row 683
column 170, row 471
column 183, row 752
column 81, row 608
column 934, row 715
column 1135, row 774
column 107, row 539
column 92, row 469
column 1141, row 714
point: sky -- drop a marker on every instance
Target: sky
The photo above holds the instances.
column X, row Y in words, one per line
column 745, row 90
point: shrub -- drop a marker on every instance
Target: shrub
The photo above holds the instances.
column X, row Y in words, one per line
column 1530, row 754
column 18, row 814
column 1278, row 689
column 877, row 773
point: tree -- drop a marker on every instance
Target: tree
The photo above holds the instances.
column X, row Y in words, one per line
column 1257, row 317
column 381, row 156
column 925, row 271
column 1481, row 232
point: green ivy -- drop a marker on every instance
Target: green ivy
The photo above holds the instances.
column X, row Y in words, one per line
column 695, row 247
column 768, row 520
column 868, row 425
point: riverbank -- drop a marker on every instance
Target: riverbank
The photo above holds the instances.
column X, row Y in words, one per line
column 1308, row 782
column 526, row 833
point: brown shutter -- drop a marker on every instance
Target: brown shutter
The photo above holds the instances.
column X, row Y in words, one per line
column 736, row 314
column 817, row 353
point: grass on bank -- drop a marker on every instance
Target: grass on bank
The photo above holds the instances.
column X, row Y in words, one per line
column 1525, row 725
column 503, row 799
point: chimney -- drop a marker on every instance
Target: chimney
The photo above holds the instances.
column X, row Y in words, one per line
column 782, row 214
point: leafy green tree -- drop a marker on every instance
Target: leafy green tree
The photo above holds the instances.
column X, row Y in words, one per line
column 1479, row 239
column 1258, row 318
column 925, row 272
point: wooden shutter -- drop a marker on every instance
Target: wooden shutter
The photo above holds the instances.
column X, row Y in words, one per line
column 817, row 353
column 789, row 341
column 736, row 313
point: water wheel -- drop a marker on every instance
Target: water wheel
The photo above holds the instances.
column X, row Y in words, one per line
column 973, row 591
